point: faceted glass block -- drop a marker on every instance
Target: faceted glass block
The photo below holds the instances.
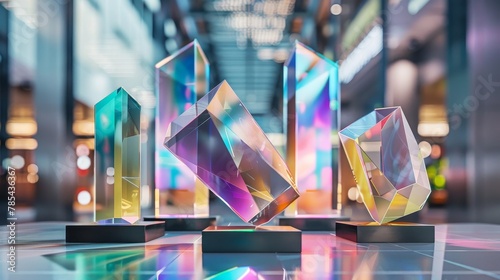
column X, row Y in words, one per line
column 311, row 113
column 181, row 79
column 117, row 158
column 221, row 143
column 387, row 164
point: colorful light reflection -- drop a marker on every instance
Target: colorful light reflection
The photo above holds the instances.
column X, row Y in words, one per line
column 387, row 164
column 240, row 273
column 311, row 110
column 180, row 79
column 218, row 139
column 117, row 146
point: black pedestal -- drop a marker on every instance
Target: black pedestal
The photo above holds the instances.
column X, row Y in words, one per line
column 312, row 222
column 248, row 239
column 114, row 233
column 184, row 222
column 365, row 232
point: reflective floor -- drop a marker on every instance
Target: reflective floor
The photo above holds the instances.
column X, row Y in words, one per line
column 461, row 251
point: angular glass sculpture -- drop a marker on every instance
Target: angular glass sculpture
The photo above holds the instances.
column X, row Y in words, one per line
column 181, row 79
column 221, row 143
column 311, row 109
column 387, row 164
column 117, row 159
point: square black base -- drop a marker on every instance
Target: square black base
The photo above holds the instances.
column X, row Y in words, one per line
column 248, row 239
column 312, row 222
column 114, row 233
column 184, row 222
column 370, row 232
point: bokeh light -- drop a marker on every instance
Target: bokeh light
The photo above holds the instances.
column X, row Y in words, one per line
column 82, row 150
column 425, row 148
column 83, row 162
column 336, row 9
column 84, row 197
column 17, row 162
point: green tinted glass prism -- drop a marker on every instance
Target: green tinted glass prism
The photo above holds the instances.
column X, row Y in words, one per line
column 117, row 158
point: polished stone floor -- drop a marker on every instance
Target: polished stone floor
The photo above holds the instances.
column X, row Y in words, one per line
column 461, row 251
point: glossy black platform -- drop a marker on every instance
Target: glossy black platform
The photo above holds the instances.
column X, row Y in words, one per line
column 114, row 233
column 248, row 239
column 184, row 222
column 370, row 232
column 312, row 222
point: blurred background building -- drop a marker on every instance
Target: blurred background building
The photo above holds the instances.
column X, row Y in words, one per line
column 438, row 59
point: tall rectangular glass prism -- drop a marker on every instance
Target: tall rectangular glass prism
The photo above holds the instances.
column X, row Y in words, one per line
column 311, row 107
column 180, row 79
column 117, row 159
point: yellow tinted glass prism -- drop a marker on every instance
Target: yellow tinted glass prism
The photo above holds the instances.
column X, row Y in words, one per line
column 387, row 164
column 117, row 158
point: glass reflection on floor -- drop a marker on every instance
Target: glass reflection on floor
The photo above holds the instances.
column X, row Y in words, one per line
column 126, row 262
column 265, row 266
column 468, row 251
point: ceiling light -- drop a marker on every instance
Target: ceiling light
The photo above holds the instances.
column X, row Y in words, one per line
column 21, row 144
column 21, row 127
column 370, row 46
column 433, row 129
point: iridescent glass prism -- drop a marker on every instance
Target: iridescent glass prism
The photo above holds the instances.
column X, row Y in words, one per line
column 117, row 163
column 311, row 108
column 117, row 159
column 221, row 143
column 181, row 79
column 387, row 164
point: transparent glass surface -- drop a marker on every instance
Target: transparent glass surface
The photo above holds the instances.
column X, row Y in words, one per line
column 117, row 158
column 461, row 251
column 311, row 105
column 218, row 139
column 311, row 99
column 180, row 79
column 387, row 164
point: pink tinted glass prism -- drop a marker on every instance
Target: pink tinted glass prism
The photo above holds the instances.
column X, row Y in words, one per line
column 218, row 139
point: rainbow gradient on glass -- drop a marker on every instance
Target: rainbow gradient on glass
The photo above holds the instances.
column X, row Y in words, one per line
column 180, row 79
column 387, row 164
column 117, row 159
column 218, row 139
column 311, row 108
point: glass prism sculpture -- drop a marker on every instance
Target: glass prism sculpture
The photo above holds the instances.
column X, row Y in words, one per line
column 311, row 99
column 387, row 164
column 181, row 79
column 117, row 159
column 221, row 143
